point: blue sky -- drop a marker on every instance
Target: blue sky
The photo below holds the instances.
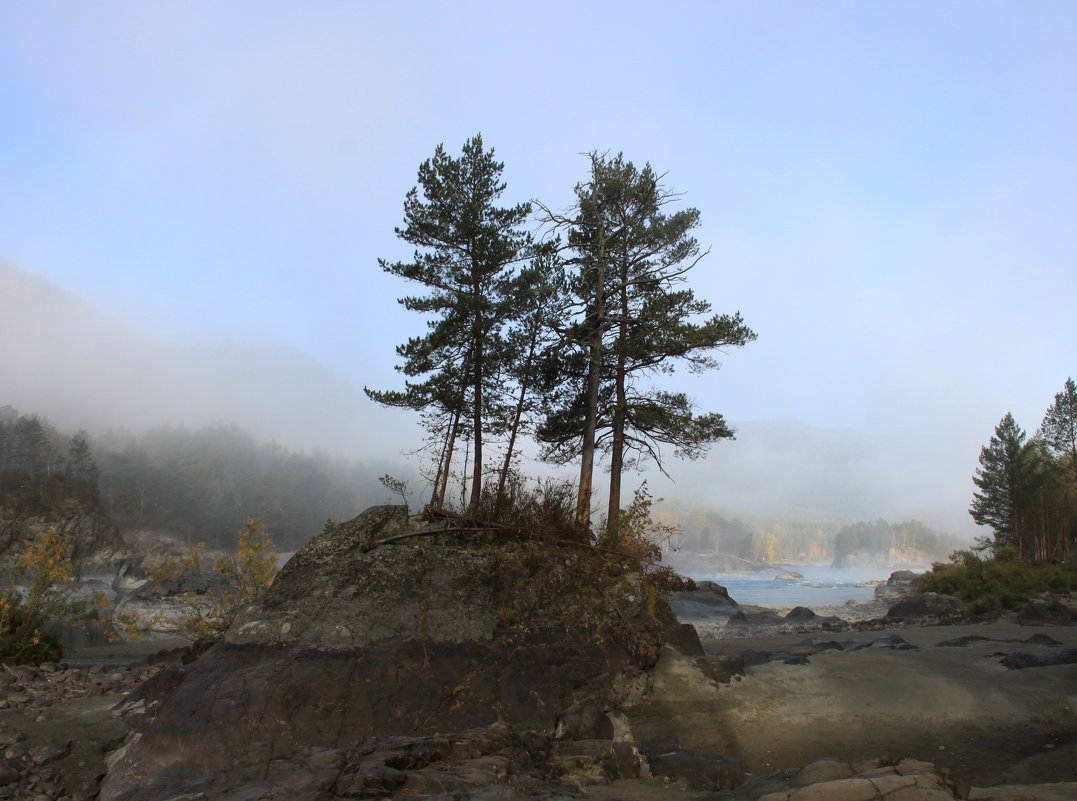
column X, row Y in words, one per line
column 887, row 188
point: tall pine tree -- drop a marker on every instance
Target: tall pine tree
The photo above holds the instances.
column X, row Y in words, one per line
column 1002, row 481
column 465, row 247
column 637, row 321
column 1059, row 427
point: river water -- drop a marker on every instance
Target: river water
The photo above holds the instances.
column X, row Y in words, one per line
column 822, row 585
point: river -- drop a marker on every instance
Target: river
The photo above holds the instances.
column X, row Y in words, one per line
column 823, row 585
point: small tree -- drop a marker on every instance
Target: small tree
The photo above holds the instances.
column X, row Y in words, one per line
column 38, row 594
column 82, row 470
column 397, row 486
column 221, row 590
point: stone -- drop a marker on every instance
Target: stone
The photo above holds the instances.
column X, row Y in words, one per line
column 8, row 774
column 927, row 604
column 789, row 575
column 920, row 794
column 840, row 790
column 1019, row 659
column 585, row 720
column 685, row 639
column 1058, row 791
column 1042, row 639
column 706, row 603
column 900, row 583
column 696, row 771
column 961, row 642
column 800, row 614
column 892, row 782
column 1050, row 612
column 823, row 770
column 47, row 752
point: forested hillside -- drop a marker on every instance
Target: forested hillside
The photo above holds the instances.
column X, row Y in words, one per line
column 198, row 484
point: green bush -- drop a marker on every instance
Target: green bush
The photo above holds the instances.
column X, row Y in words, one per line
column 1000, row 582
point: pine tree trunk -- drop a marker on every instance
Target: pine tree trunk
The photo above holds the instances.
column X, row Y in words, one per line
column 476, row 477
column 437, row 499
column 454, row 431
column 594, row 380
column 516, row 417
column 620, row 410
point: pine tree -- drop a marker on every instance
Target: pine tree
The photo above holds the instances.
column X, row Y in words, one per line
column 465, row 247
column 1059, row 427
column 1003, row 480
column 1059, row 434
column 539, row 292
column 81, row 468
column 637, row 321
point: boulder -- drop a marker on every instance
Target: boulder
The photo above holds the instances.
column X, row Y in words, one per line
column 801, row 614
column 900, row 583
column 1048, row 612
column 707, row 602
column 790, row 575
column 358, row 638
column 1020, row 659
column 927, row 604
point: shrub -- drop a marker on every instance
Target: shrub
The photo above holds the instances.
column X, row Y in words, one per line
column 545, row 508
column 210, row 598
column 37, row 592
column 1001, row 581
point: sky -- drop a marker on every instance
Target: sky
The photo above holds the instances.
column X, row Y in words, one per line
column 887, row 189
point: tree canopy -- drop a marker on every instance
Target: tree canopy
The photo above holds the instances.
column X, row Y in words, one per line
column 1026, row 488
column 568, row 347
column 636, row 320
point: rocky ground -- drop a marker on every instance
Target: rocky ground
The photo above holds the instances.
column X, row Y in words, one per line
column 904, row 700
column 914, row 711
column 56, row 725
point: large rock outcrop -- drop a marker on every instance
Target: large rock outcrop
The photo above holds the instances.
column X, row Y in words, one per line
column 359, row 637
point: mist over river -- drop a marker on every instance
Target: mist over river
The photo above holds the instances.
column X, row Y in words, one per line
column 823, row 585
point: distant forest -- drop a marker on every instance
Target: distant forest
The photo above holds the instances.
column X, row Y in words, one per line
column 199, row 484
column 798, row 541
column 203, row 484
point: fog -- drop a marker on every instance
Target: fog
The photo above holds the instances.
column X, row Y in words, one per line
column 81, row 368
column 194, row 198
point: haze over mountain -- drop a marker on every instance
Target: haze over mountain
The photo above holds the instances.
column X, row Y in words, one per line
column 62, row 358
column 81, row 368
